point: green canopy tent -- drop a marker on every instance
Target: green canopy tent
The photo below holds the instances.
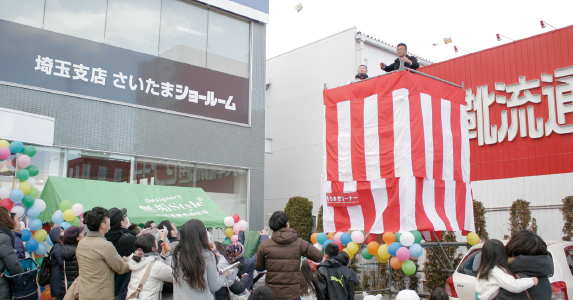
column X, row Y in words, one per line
column 143, row 202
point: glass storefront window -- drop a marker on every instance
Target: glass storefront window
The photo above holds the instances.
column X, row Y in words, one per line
column 29, row 12
column 229, row 44
column 50, row 162
column 83, row 19
column 98, row 166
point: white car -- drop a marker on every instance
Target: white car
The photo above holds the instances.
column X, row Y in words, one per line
column 461, row 285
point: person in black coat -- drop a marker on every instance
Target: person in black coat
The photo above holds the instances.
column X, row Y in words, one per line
column 57, row 263
column 409, row 61
column 335, row 279
column 247, row 264
column 124, row 241
column 528, row 257
column 8, row 258
column 18, row 244
column 72, row 236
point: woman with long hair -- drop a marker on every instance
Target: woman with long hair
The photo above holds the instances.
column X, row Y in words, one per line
column 194, row 264
column 9, row 259
column 308, row 283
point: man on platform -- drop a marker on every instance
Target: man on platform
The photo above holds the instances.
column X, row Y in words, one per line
column 409, row 61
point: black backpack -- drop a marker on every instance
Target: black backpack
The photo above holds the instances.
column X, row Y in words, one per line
column 45, row 272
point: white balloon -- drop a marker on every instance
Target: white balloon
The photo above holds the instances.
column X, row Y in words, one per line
column 357, row 236
column 31, row 181
column 5, row 193
column 18, row 210
column 78, row 209
column 40, row 204
column 229, row 221
column 244, row 224
column 318, row 246
column 407, row 239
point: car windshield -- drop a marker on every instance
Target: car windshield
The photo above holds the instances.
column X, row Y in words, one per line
column 470, row 265
column 569, row 256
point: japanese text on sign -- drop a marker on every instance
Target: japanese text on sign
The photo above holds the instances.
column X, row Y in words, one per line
column 342, row 199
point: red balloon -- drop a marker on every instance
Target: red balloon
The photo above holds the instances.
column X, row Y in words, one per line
column 371, row 238
column 47, row 227
column 236, row 218
column 340, row 246
column 7, row 203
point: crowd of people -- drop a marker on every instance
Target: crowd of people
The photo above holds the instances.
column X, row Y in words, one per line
column 109, row 258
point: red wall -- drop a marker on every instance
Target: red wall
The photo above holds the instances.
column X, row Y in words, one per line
column 529, row 57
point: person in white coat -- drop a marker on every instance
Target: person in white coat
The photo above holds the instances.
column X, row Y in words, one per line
column 140, row 260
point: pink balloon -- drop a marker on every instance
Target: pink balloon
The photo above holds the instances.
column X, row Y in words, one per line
column 237, row 227
column 236, row 218
column 23, row 161
column 234, row 238
column 7, row 203
column 357, row 237
column 337, row 237
column 4, row 153
column 403, row 254
column 413, row 258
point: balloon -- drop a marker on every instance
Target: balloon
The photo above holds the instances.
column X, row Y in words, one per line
column 18, row 210
column 392, row 248
column 16, row 195
column 409, row 267
column 229, row 232
column 34, row 192
column 40, row 235
column 16, row 147
column 226, row 242
column 4, row 153
column 326, row 243
column 42, row 249
column 65, row 225
column 5, row 193
column 417, row 236
column 381, row 260
column 407, row 239
column 340, row 246
column 58, row 217
column 229, row 221
column 473, row 238
column 25, row 187
column 49, row 241
column 318, row 246
column 244, row 224
column 395, row 263
column 33, row 212
column 389, row 237
column 40, row 204
column 237, row 227
column 46, row 294
column 76, row 222
column 23, row 161
column 28, row 201
column 47, row 227
column 234, row 238
column 313, row 238
column 321, row 238
column 373, row 248
column 366, row 255
column 4, row 144
column 26, row 234
column 29, row 150
column 413, row 258
column 7, row 203
column 78, row 209
column 30, row 180
column 337, row 237
column 403, row 253
column 23, row 174
column 357, row 236
column 31, row 245
column 345, row 238
column 352, row 247
column 69, row 215
column 330, row 235
column 383, row 252
column 65, row 205
column 397, row 234
column 35, row 224
column 33, row 170
column 370, row 238
column 236, row 218
column 416, row 250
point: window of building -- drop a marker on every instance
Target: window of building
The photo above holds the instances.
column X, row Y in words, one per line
column 268, row 145
column 228, row 44
column 98, row 166
column 29, row 12
column 83, row 19
column 50, row 162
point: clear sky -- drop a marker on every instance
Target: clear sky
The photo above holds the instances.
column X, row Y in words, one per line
column 417, row 23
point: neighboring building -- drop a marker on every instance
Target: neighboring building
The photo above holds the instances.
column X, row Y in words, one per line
column 143, row 91
column 295, row 110
column 521, row 126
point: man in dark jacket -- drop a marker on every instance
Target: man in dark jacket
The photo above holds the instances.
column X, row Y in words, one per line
column 124, row 242
column 57, row 262
column 280, row 256
column 540, row 266
column 335, row 279
column 409, row 61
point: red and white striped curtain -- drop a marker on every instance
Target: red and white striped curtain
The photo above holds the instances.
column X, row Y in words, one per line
column 397, row 156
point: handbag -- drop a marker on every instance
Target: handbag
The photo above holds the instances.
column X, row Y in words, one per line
column 135, row 295
column 44, row 274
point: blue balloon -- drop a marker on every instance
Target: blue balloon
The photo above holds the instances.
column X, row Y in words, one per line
column 65, row 225
column 33, row 212
column 16, row 147
column 326, row 243
column 35, row 224
column 393, row 248
column 32, row 245
column 41, row 249
column 321, row 238
column 416, row 250
column 58, row 217
column 49, row 241
column 345, row 238
column 16, row 195
column 26, row 234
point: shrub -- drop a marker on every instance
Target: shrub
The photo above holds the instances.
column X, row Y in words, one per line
column 479, row 217
column 436, row 276
column 519, row 216
column 319, row 227
column 567, row 211
column 299, row 211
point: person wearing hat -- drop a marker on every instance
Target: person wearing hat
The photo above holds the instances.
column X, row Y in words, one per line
column 247, row 264
column 407, row 295
column 71, row 238
column 56, row 273
column 124, row 241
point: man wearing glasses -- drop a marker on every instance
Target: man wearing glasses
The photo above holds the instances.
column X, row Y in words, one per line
column 409, row 61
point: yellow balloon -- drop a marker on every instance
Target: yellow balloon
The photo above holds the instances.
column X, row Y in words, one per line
column 4, row 144
column 381, row 260
column 352, row 248
column 69, row 215
column 383, row 252
column 40, row 235
column 229, row 232
column 25, row 187
column 473, row 238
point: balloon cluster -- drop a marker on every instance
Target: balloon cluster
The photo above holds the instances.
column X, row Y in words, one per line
column 401, row 249
column 347, row 242
column 68, row 215
column 234, row 226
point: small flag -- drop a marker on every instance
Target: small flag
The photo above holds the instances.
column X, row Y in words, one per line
column 434, row 44
column 298, row 7
column 447, row 40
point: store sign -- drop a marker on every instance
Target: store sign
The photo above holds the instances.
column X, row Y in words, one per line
column 53, row 61
column 521, row 117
